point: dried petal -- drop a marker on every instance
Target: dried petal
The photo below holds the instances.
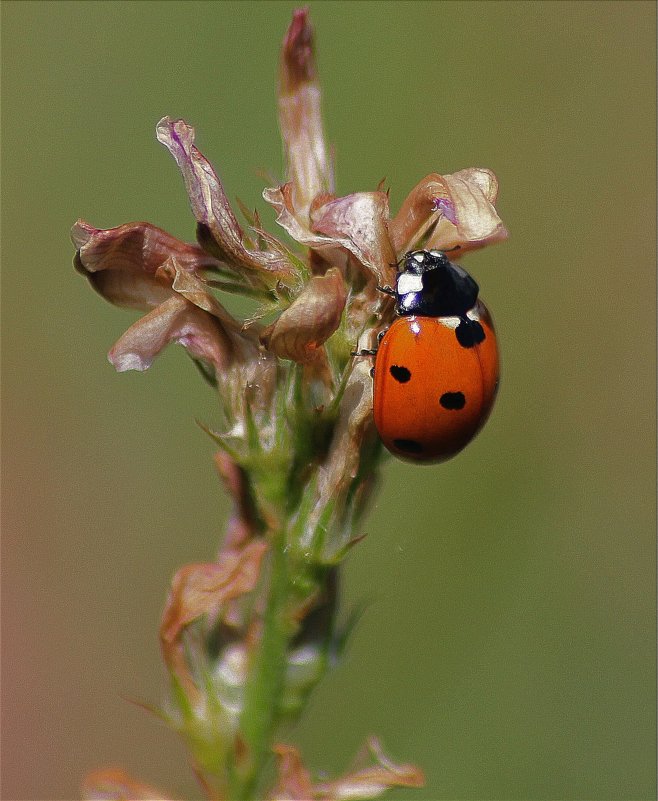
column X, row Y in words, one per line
column 288, row 217
column 355, row 418
column 137, row 246
column 114, row 784
column 460, row 206
column 341, row 468
column 195, row 290
column 475, row 222
column 310, row 320
column 130, row 290
column 175, row 320
column 121, row 263
column 210, row 204
column 371, row 782
column 202, row 589
column 482, row 178
column 357, row 223
column 243, row 524
column 241, row 359
column 137, row 266
column 293, row 781
column 300, row 120
column 361, row 219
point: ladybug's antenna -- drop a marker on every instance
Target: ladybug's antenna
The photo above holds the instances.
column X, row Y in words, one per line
column 398, row 262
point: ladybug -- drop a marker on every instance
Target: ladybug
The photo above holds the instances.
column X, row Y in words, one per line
column 436, row 367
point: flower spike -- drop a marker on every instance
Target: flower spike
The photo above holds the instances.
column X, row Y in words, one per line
column 246, row 636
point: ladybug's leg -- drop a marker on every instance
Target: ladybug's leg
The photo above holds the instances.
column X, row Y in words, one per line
column 370, row 351
column 387, row 290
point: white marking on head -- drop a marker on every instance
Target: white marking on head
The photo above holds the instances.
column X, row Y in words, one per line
column 408, row 282
column 436, row 253
column 419, row 256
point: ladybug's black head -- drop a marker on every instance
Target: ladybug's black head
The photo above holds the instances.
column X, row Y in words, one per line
column 419, row 261
column 432, row 286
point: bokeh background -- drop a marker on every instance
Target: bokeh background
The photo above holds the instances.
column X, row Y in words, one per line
column 508, row 642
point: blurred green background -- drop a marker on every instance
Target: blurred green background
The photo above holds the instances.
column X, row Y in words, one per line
column 508, row 645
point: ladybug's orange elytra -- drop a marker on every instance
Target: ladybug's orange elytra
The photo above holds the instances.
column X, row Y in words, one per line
column 436, row 369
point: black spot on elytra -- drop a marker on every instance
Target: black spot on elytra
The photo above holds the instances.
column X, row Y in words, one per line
column 408, row 445
column 452, row 400
column 469, row 333
column 400, row 374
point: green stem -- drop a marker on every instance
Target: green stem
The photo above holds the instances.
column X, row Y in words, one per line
column 265, row 684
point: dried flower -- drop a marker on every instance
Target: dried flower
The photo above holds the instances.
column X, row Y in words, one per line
column 203, row 589
column 114, row 784
column 246, row 637
column 368, row 781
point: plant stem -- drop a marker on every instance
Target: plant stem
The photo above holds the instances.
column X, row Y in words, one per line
column 266, row 680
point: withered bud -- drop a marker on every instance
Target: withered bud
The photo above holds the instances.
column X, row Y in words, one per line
column 297, row 62
column 300, row 120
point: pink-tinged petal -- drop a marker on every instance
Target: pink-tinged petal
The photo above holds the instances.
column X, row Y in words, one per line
column 127, row 289
column 308, row 322
column 240, row 346
column 360, row 220
column 371, row 781
column 298, row 226
column 482, row 178
column 195, row 290
column 356, row 223
column 114, row 784
column 300, row 119
column 210, row 205
column 122, row 263
column 474, row 221
column 135, row 247
column 457, row 209
column 175, row 320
